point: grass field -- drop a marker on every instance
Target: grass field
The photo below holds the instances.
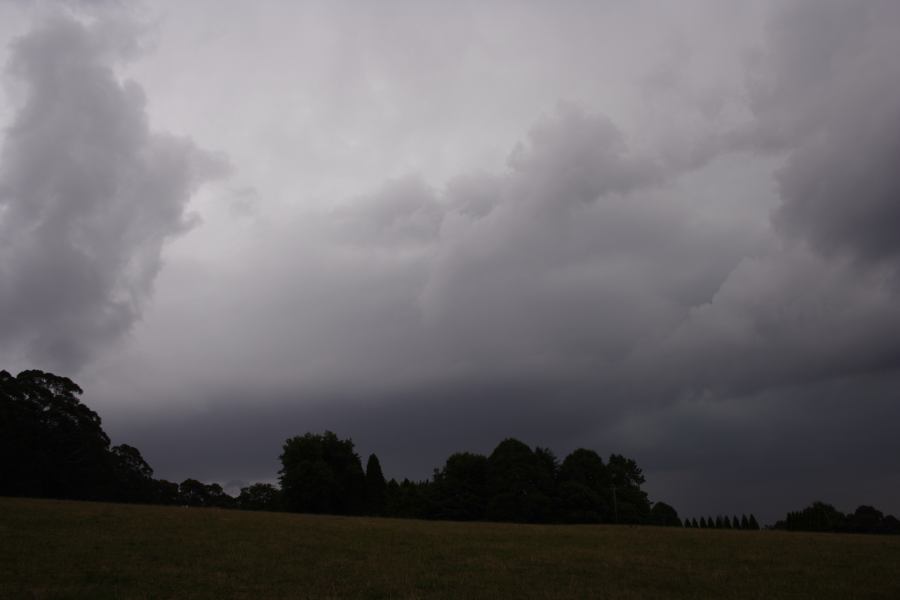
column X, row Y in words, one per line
column 54, row 549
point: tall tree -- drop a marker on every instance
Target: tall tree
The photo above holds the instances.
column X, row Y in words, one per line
column 133, row 476
column 50, row 443
column 584, row 484
column 460, row 488
column 376, row 487
column 630, row 502
column 520, row 483
column 321, row 474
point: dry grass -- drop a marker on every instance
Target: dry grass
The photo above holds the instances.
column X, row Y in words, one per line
column 54, row 549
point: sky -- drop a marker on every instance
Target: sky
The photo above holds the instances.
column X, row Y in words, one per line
column 669, row 230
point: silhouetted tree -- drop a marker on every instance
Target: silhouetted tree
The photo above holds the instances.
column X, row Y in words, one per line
column 132, row 474
column 891, row 525
column 321, row 474
column 664, row 515
column 166, row 492
column 520, row 483
column 460, row 489
column 260, row 496
column 584, row 484
column 703, row 523
column 816, row 517
column 50, row 443
column 745, row 524
column 376, row 487
column 629, row 501
column 196, row 493
column 754, row 525
column 866, row 519
column 694, row 523
column 409, row 499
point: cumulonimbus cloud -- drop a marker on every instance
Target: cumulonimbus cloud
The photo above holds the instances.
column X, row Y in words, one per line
column 828, row 95
column 88, row 195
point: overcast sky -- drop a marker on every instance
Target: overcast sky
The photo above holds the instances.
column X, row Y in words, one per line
column 664, row 229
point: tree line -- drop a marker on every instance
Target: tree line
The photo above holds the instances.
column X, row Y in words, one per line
column 53, row 446
column 720, row 522
column 323, row 474
column 820, row 516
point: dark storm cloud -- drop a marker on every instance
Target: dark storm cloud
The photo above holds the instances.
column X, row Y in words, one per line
column 829, row 96
column 595, row 292
column 786, row 318
column 88, row 195
column 821, row 302
column 568, row 259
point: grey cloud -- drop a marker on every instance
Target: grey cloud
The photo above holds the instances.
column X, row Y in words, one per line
column 828, row 94
column 594, row 292
column 586, row 154
column 786, row 318
column 577, row 257
column 88, row 195
column 403, row 211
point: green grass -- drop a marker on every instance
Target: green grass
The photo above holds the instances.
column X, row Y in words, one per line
column 55, row 549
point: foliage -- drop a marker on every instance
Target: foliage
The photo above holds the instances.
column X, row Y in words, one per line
column 50, row 443
column 630, row 502
column 260, row 496
column 820, row 516
column 322, row 474
column 460, row 488
column 376, row 487
column 663, row 515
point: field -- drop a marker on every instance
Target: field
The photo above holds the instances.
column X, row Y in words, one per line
column 55, row 549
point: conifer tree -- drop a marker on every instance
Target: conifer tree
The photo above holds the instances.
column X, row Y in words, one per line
column 376, row 487
column 753, row 523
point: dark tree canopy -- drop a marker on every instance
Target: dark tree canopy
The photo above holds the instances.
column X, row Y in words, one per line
column 322, row 474
column 584, row 488
column 260, row 496
column 376, row 487
column 630, row 502
column 820, row 516
column 520, row 483
column 51, row 444
column 664, row 515
column 133, row 474
column 460, row 488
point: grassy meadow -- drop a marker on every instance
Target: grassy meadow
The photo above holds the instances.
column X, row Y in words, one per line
column 56, row 549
